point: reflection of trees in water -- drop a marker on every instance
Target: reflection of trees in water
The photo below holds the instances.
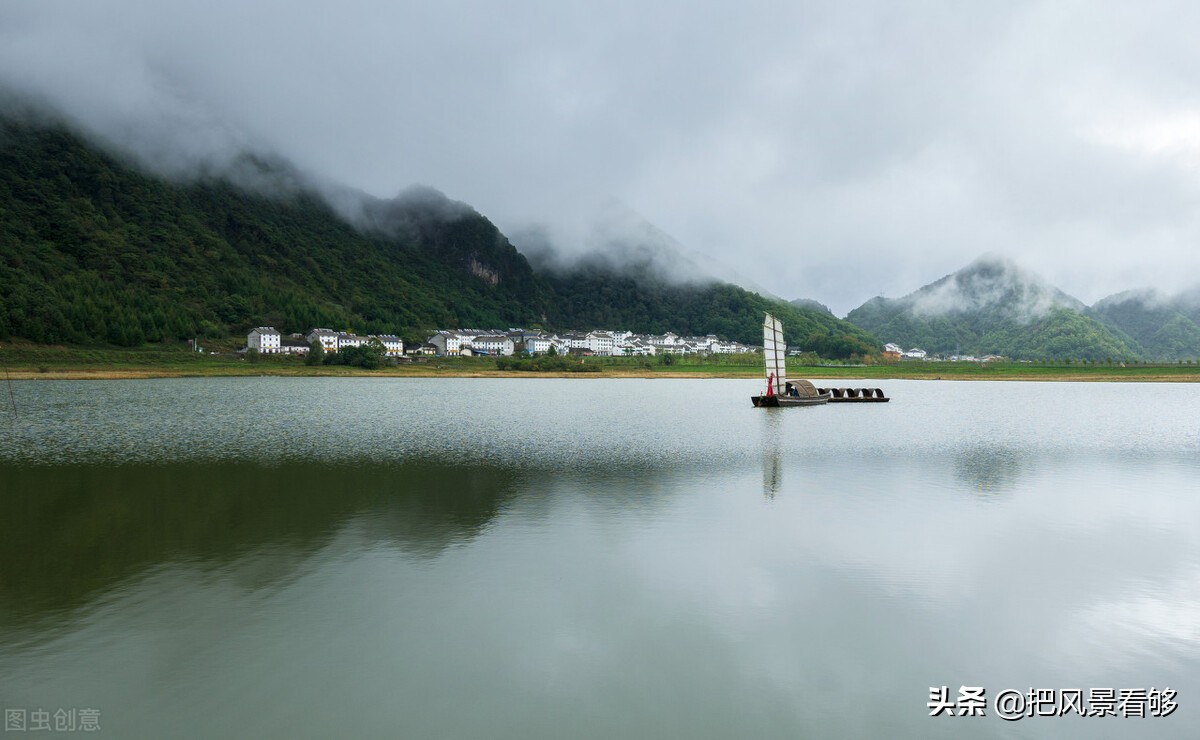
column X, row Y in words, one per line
column 434, row 507
column 635, row 489
column 68, row 534
column 990, row 469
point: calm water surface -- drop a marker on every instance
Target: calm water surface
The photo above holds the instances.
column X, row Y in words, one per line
column 529, row 558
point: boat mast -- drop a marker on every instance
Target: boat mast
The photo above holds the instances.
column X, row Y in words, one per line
column 774, row 351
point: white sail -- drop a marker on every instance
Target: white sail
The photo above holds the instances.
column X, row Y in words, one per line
column 774, row 352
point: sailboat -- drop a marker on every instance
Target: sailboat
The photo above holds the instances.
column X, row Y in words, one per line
column 780, row 390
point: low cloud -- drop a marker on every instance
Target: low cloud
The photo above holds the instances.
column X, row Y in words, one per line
column 995, row 284
column 824, row 151
column 615, row 238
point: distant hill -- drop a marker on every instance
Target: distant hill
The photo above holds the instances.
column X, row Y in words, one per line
column 1161, row 327
column 993, row 307
column 95, row 251
column 809, row 303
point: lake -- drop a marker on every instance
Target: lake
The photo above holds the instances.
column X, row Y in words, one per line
column 592, row 558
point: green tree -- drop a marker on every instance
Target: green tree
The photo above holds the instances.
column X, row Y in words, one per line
column 372, row 354
column 316, row 353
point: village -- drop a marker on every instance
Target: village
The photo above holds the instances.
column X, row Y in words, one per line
column 893, row 352
column 497, row 343
column 534, row 342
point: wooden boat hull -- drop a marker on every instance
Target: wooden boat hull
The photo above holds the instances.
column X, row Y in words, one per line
column 778, row 401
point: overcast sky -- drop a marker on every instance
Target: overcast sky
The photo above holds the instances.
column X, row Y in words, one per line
column 833, row 150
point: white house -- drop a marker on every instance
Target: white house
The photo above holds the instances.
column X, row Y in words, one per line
column 575, row 341
column 620, row 337
column 264, row 339
column 637, row 348
column 328, row 339
column 493, row 345
column 294, row 346
column 447, row 343
column 349, row 340
column 392, row 343
column 600, row 342
column 537, row 345
column 559, row 344
column 669, row 341
column 914, row 354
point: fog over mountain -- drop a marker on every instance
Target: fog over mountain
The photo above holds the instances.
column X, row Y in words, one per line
column 994, row 306
column 1145, row 297
column 1161, row 326
column 615, row 238
column 826, row 150
column 992, row 284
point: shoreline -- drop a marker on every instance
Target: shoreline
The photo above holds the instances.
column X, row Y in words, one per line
column 25, row 361
column 872, row 374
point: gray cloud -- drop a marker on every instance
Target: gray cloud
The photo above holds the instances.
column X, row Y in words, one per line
column 825, row 150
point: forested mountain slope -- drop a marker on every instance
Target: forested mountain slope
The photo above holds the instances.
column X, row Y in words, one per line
column 95, row 251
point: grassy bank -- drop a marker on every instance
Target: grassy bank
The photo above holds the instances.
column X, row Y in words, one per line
column 24, row 361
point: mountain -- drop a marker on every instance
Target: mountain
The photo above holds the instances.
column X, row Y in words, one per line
column 95, row 251
column 993, row 307
column 1162, row 327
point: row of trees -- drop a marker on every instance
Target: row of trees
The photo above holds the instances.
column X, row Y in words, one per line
column 546, row 363
column 370, row 355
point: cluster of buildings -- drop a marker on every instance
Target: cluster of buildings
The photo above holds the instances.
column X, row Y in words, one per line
column 893, row 352
column 266, row 340
column 601, row 343
column 500, row 343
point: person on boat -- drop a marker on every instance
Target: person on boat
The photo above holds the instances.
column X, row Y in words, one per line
column 793, row 391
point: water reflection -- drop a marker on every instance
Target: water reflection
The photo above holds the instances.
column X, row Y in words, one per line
column 772, row 451
column 630, row 563
column 69, row 534
column 990, row 470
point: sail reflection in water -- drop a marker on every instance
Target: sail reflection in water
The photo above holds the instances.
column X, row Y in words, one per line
column 772, row 454
column 539, row 558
